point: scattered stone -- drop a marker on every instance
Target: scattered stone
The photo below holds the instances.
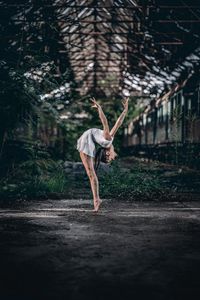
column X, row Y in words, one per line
column 78, row 168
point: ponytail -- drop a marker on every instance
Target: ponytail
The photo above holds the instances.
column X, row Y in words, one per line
column 100, row 156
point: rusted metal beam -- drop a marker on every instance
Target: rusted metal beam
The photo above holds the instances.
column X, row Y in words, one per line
column 95, row 45
column 170, row 43
column 106, row 33
column 90, row 83
column 91, row 59
column 103, row 66
column 77, row 22
column 98, row 69
column 175, row 21
column 123, row 51
column 103, row 71
column 74, row 22
column 120, row 43
column 113, row 60
column 79, row 50
column 101, row 6
column 123, row 33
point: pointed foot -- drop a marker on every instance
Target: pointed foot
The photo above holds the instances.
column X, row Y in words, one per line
column 97, row 204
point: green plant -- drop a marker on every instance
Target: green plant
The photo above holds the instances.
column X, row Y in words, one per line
column 191, row 118
column 177, row 116
column 131, row 184
column 35, row 179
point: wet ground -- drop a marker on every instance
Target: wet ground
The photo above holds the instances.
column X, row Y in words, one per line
column 129, row 250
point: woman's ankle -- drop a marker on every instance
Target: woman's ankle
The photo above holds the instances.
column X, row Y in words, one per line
column 96, row 200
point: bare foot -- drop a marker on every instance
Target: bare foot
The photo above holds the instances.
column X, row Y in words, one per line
column 97, row 204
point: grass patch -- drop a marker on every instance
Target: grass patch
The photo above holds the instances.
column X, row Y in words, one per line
column 39, row 179
column 44, row 178
column 132, row 184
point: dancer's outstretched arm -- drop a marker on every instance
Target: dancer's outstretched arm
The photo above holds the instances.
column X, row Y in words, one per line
column 121, row 117
column 103, row 119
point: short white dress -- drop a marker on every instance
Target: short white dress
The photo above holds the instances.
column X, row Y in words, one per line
column 86, row 142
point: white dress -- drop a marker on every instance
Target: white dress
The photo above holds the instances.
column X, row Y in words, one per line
column 86, row 142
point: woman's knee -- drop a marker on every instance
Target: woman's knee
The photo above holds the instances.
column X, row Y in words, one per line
column 92, row 174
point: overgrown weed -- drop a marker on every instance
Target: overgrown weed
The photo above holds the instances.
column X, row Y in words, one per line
column 131, row 184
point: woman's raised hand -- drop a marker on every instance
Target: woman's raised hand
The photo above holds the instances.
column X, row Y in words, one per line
column 125, row 103
column 95, row 104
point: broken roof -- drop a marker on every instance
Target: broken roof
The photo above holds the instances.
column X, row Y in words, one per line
column 124, row 46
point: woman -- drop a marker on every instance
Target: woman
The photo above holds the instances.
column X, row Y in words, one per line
column 86, row 146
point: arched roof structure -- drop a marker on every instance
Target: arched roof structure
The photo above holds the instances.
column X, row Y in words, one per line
column 128, row 46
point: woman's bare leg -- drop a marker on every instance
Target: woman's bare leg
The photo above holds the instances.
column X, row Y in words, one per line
column 89, row 167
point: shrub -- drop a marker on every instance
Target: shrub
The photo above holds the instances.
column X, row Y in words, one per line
column 130, row 184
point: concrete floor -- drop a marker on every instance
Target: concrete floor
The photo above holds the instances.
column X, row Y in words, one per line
column 129, row 250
